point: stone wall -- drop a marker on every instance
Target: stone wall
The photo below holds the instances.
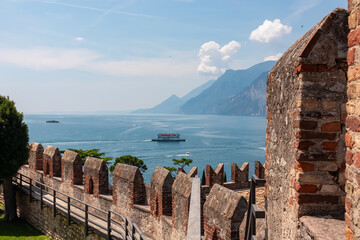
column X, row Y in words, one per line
column 44, row 220
column 160, row 208
column 352, row 137
column 306, row 96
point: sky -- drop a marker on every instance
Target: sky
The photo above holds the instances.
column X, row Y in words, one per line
column 80, row 56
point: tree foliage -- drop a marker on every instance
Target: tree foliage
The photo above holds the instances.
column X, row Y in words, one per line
column 14, row 138
column 130, row 160
column 14, row 150
column 91, row 153
column 179, row 162
column 182, row 162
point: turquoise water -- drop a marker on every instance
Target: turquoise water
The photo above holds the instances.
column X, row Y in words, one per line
column 210, row 139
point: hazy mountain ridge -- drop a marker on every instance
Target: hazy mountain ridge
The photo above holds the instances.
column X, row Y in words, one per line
column 173, row 103
column 236, row 92
column 250, row 101
column 214, row 99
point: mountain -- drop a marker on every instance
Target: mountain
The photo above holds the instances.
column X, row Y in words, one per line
column 213, row 100
column 173, row 103
column 197, row 91
column 250, row 101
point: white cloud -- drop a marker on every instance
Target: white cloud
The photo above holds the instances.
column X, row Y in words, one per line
column 47, row 58
column 79, row 39
column 273, row 58
column 269, row 30
column 214, row 59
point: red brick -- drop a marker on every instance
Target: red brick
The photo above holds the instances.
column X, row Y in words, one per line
column 348, row 204
column 329, row 146
column 353, row 123
column 305, row 125
column 313, row 157
column 354, row 38
column 348, row 157
column 296, row 114
column 342, row 167
column 303, row 145
column 356, row 160
column 348, row 140
column 304, row 166
column 349, row 175
column 351, row 57
column 306, row 68
column 307, row 188
column 323, row 199
column 315, row 135
column 331, row 127
column 348, row 233
column 323, row 68
column 348, row 220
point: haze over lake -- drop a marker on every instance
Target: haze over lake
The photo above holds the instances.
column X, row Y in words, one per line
column 210, row 139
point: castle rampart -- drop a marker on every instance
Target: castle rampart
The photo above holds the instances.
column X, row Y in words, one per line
column 159, row 208
column 306, row 97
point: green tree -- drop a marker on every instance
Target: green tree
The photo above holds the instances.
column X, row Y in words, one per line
column 130, row 160
column 172, row 171
column 14, row 150
column 181, row 163
column 91, row 153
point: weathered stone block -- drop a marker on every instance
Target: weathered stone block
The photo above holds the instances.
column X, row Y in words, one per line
column 181, row 192
column 314, row 178
column 161, row 192
column 216, row 176
column 71, row 168
column 128, row 186
column 240, row 176
column 224, row 211
column 327, row 166
column 52, row 162
column 334, row 188
column 36, row 156
column 96, row 176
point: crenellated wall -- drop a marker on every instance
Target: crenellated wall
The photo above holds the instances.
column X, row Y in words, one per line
column 160, row 208
column 306, row 97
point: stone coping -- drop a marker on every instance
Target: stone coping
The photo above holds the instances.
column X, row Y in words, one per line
column 323, row 227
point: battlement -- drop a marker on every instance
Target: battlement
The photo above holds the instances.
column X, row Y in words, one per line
column 160, row 208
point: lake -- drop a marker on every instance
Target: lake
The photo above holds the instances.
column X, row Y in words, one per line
column 210, row 139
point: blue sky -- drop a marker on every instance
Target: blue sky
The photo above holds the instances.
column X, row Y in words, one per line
column 63, row 56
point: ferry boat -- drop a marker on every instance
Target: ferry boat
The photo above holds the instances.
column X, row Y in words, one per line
column 169, row 137
column 52, row 121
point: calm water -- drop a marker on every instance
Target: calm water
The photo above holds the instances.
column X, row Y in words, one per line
column 210, row 139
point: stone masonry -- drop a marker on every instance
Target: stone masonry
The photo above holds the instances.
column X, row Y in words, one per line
column 306, row 96
column 96, row 179
column 352, row 137
column 71, row 168
column 52, row 162
column 224, row 211
column 36, row 156
column 160, row 208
